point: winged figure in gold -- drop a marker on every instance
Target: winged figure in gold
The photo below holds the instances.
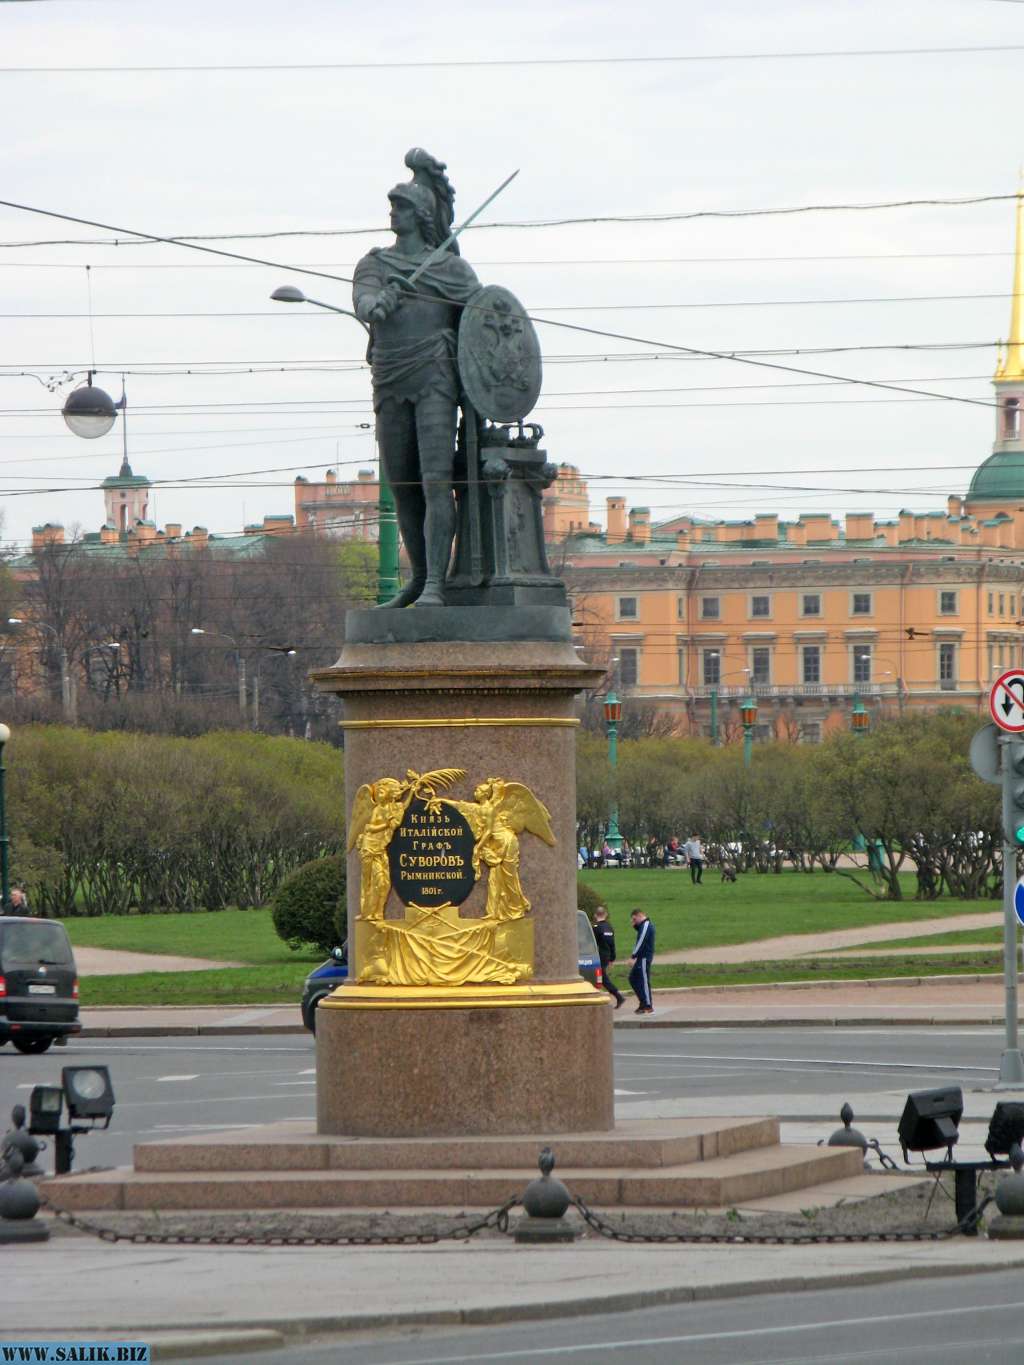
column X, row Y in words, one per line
column 498, row 814
column 377, row 811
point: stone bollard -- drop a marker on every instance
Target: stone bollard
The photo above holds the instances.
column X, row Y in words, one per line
column 1008, row 1225
column 19, row 1137
column 545, row 1201
column 19, row 1202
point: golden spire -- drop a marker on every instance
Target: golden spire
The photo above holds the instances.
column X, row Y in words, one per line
column 1010, row 363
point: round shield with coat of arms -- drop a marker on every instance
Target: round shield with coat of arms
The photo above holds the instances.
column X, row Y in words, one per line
column 499, row 355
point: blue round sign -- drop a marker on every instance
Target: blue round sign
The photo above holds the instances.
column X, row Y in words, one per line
column 1018, row 900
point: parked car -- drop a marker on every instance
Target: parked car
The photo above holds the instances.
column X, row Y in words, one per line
column 335, row 970
column 38, row 983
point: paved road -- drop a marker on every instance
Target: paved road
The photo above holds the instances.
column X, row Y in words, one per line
column 171, row 1087
column 921, row 1322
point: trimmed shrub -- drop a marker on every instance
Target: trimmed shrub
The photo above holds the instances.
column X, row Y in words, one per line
column 587, row 898
column 309, row 905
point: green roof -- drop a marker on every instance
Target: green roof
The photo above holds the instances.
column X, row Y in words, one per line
column 1001, row 476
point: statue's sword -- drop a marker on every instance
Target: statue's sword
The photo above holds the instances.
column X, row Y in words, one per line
column 439, row 251
column 472, row 429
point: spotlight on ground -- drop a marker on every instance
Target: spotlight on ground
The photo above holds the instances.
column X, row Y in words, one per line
column 931, row 1120
column 1005, row 1127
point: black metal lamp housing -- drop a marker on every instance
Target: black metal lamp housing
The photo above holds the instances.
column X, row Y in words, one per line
column 931, row 1120
column 1005, row 1127
column 44, row 1108
column 88, row 1091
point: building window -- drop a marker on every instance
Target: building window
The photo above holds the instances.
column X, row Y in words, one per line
column 860, row 604
column 709, row 608
column 1011, row 420
column 1002, row 604
column 948, row 605
column 990, row 600
column 862, row 663
column 680, row 608
column 947, row 666
column 810, row 732
column 761, row 665
column 811, row 604
column 811, row 663
column 627, row 608
column 712, row 667
column 681, row 661
column 761, row 605
column 629, row 667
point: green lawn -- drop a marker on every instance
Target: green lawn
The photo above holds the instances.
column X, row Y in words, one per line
column 755, row 907
column 686, row 916
column 951, row 940
column 223, row 935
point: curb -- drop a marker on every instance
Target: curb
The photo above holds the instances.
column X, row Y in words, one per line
column 212, row 1339
column 184, row 1030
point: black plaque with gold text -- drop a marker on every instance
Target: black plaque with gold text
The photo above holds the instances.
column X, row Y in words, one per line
column 430, row 856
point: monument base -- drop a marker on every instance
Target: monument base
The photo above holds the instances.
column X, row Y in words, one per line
column 473, row 1061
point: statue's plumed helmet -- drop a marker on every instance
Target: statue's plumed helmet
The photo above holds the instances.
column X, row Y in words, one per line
column 424, row 204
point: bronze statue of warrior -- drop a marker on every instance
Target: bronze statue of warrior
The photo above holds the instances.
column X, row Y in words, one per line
column 412, row 352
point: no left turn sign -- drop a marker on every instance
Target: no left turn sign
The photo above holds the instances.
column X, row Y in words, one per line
column 1006, row 701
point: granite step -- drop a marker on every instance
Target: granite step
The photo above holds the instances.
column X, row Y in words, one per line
column 295, row 1146
column 716, row 1182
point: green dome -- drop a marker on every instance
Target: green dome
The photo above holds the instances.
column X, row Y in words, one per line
column 1001, row 476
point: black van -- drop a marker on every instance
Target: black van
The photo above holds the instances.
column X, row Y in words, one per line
column 38, row 983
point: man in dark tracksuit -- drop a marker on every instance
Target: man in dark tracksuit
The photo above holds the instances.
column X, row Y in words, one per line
column 605, row 935
column 643, row 952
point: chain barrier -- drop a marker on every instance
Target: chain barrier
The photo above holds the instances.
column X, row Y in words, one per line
column 614, row 1234
column 497, row 1219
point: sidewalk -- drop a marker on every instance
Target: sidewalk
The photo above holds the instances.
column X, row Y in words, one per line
column 244, row 1297
column 908, row 1000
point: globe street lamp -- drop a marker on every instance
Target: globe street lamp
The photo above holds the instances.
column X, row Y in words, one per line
column 388, row 581
column 5, row 843
column 90, row 411
column 748, row 715
column 612, row 716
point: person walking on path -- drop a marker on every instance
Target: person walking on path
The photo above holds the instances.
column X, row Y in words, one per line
column 605, row 935
column 640, row 962
column 694, row 851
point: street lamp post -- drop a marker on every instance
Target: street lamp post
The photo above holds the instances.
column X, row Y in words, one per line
column 240, row 658
column 5, row 843
column 62, row 658
column 612, row 716
column 748, row 715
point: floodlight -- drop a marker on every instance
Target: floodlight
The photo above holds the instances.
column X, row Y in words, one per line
column 44, row 1107
column 931, row 1119
column 1006, row 1127
column 89, row 1092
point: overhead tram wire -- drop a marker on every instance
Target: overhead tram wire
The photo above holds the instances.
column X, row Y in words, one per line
column 549, row 322
column 135, row 238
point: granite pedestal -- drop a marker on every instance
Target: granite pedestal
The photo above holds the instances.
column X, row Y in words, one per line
column 490, row 691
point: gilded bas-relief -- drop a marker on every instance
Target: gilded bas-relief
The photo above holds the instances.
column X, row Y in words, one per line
column 431, row 850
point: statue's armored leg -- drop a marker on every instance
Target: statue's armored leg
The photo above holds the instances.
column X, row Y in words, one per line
column 436, row 421
column 396, row 439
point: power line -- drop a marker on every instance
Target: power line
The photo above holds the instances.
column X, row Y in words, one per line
column 193, row 239
column 486, row 63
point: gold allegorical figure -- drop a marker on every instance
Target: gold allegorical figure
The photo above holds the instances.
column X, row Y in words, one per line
column 377, row 811
column 500, row 812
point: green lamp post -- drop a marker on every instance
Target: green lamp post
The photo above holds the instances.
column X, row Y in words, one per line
column 5, row 843
column 612, row 716
column 748, row 715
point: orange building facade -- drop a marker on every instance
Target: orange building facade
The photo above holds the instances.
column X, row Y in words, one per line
column 813, row 614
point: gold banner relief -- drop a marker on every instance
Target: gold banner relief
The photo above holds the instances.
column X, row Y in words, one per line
column 431, row 850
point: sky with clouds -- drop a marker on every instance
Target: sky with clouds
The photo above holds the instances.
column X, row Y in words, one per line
column 231, row 395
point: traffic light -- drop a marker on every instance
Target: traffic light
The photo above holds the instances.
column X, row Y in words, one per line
column 1013, row 791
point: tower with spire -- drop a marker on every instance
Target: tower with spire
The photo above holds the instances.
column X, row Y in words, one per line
column 1000, row 479
column 126, row 497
